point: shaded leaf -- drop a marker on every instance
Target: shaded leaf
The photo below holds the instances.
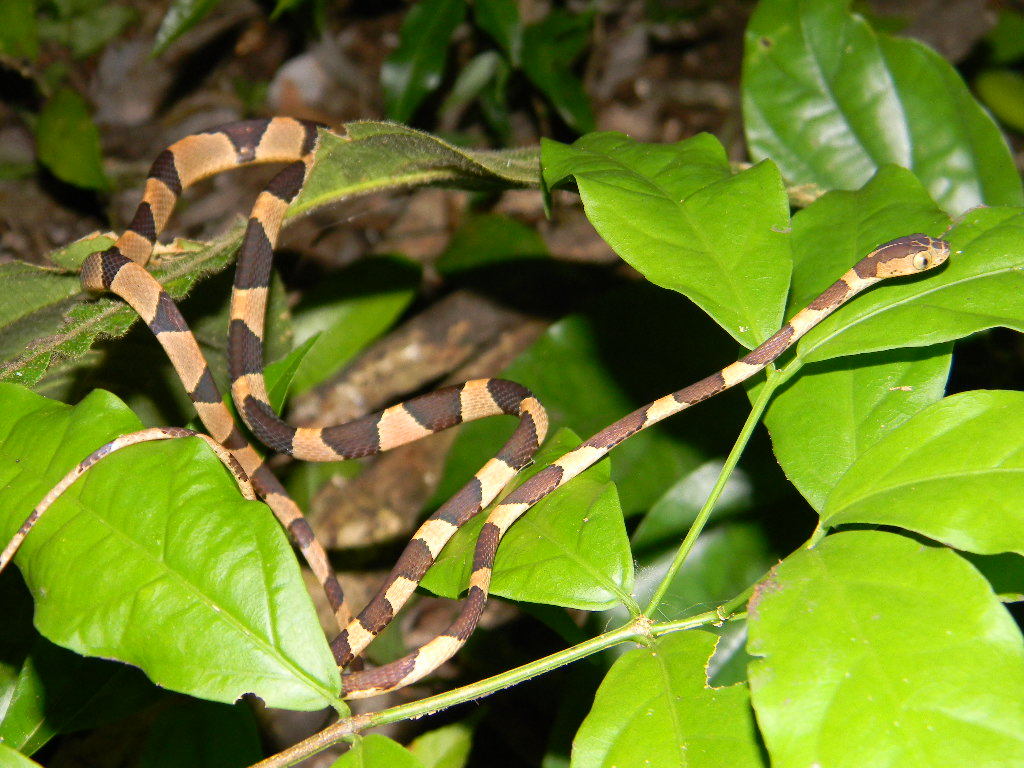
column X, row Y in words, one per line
column 500, row 19
column 348, row 311
column 179, row 19
column 444, row 747
column 570, row 549
column 488, row 238
column 551, row 46
column 19, row 38
column 830, row 101
column 202, row 734
column 675, row 214
column 953, row 473
column 59, row 692
column 172, row 572
column 414, row 69
column 280, row 374
column 833, row 412
column 68, row 143
column 655, row 708
column 1007, row 36
column 377, row 751
column 1002, row 91
column 878, row 650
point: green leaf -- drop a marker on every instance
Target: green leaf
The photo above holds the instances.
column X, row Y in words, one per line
column 655, row 708
column 172, row 572
column 348, row 311
column 953, row 473
column 19, row 38
column 831, row 101
column 570, row 549
column 179, row 19
column 377, row 751
column 93, row 28
column 834, row 411
column 68, row 143
column 59, row 692
column 9, row 758
column 1007, row 37
column 202, row 734
column 1002, row 91
column 414, row 69
column 551, row 46
column 478, row 73
column 676, row 214
column 489, row 238
column 879, row 650
column 444, row 747
column 500, row 19
column 280, row 374
column 377, row 157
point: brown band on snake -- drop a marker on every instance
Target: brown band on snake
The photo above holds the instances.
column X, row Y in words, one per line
column 120, row 269
column 905, row 256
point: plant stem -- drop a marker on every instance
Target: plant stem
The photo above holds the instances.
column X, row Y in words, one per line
column 634, row 630
column 767, row 390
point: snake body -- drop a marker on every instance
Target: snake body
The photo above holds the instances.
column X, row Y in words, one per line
column 120, row 270
column 903, row 256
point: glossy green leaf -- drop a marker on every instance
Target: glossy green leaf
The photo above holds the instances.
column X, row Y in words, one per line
column 487, row 239
column 414, row 69
column 500, row 19
column 826, row 418
column 1002, row 91
column 675, row 214
column 68, row 143
column 348, row 311
column 172, row 572
column 953, row 473
column 19, row 38
column 980, row 287
column 377, row 751
column 9, row 758
column 550, row 47
column 58, row 691
column 570, row 549
column 830, row 100
column 181, row 16
column 878, row 650
column 655, row 708
column 201, row 734
column 444, row 747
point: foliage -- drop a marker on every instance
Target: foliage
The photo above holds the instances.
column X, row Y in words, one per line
column 880, row 633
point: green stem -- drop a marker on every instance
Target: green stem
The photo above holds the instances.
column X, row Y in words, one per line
column 730, row 464
column 637, row 630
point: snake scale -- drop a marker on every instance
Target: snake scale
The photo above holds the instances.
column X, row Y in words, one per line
column 120, row 270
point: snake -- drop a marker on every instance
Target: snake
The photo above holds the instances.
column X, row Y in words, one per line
column 121, row 270
column 901, row 257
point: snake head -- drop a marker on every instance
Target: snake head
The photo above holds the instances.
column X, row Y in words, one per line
column 903, row 256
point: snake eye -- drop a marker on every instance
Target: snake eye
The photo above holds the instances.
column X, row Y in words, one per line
column 920, row 261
